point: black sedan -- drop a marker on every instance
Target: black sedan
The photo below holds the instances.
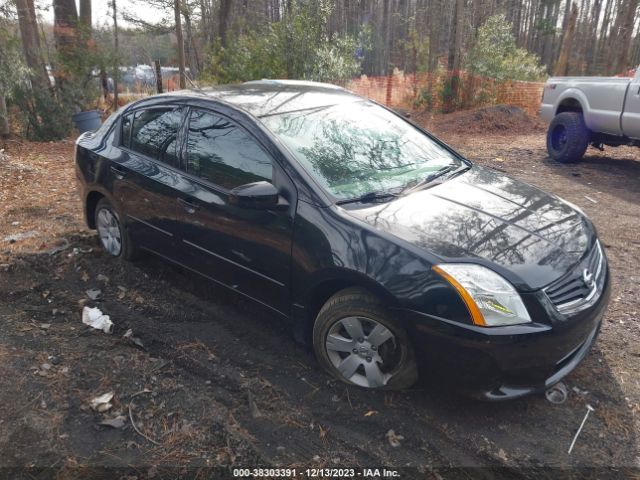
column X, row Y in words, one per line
column 381, row 246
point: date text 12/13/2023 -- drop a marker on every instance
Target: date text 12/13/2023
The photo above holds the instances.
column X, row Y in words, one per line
column 316, row 472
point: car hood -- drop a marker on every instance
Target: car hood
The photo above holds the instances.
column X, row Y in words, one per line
column 530, row 237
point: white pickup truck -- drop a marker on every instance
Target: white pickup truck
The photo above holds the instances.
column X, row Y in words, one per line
column 593, row 111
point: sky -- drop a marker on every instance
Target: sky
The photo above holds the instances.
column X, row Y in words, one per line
column 102, row 11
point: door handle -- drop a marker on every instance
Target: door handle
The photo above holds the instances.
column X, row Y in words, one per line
column 188, row 206
column 120, row 174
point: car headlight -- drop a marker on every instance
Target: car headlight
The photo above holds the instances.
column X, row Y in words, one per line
column 490, row 299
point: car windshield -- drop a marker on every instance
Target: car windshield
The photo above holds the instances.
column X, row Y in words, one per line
column 358, row 148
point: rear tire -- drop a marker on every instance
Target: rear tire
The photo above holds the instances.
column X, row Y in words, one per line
column 357, row 341
column 567, row 137
column 112, row 233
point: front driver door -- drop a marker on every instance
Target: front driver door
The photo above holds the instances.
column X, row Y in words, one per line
column 248, row 250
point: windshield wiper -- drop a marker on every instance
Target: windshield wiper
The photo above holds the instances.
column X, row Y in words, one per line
column 368, row 197
column 429, row 180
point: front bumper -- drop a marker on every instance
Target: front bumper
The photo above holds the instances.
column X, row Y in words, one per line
column 503, row 363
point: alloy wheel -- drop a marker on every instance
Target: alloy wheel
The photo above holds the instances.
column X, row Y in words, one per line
column 109, row 231
column 363, row 351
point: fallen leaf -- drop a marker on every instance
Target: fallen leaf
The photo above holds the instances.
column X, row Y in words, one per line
column 102, row 278
column 135, row 340
column 393, row 438
column 102, row 403
column 370, row 413
column 116, row 422
column 93, row 293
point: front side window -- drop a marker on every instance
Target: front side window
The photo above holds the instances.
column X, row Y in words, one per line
column 222, row 153
column 154, row 133
column 356, row 148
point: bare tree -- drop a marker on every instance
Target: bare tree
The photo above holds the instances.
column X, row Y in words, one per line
column 85, row 15
column 223, row 20
column 562, row 66
column 459, row 34
column 65, row 23
column 180, row 46
column 31, row 43
column 4, row 117
column 628, row 12
column 116, row 66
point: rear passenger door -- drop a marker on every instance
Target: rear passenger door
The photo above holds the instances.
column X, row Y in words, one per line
column 146, row 177
column 245, row 249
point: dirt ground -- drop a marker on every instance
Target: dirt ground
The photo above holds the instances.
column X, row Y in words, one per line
column 210, row 380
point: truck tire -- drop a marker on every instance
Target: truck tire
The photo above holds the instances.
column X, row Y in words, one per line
column 567, row 137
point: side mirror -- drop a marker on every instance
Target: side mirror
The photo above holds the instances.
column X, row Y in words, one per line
column 258, row 195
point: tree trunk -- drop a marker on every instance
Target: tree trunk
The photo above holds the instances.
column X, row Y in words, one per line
column 85, row 15
column 65, row 23
column 385, row 37
column 604, row 35
column 158, row 76
column 31, row 43
column 223, row 20
column 116, row 47
column 434, row 38
column 104, row 83
column 562, row 66
column 593, row 40
column 180, row 46
column 624, row 39
column 549, row 41
column 456, row 63
column 4, row 118
column 613, row 40
column 194, row 57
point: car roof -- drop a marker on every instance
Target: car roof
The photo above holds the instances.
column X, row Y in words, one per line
column 273, row 97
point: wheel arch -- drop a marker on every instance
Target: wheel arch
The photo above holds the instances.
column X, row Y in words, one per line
column 324, row 287
column 93, row 196
column 569, row 105
column 573, row 100
column 90, row 205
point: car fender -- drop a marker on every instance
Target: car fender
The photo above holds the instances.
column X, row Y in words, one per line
column 350, row 278
column 92, row 189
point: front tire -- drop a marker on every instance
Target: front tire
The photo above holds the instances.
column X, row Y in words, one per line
column 112, row 234
column 567, row 137
column 356, row 340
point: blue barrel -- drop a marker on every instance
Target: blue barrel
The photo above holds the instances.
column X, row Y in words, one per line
column 87, row 121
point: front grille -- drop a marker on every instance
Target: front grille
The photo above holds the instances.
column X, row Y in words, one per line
column 582, row 287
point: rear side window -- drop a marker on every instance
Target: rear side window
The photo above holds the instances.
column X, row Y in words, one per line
column 154, row 133
column 222, row 153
